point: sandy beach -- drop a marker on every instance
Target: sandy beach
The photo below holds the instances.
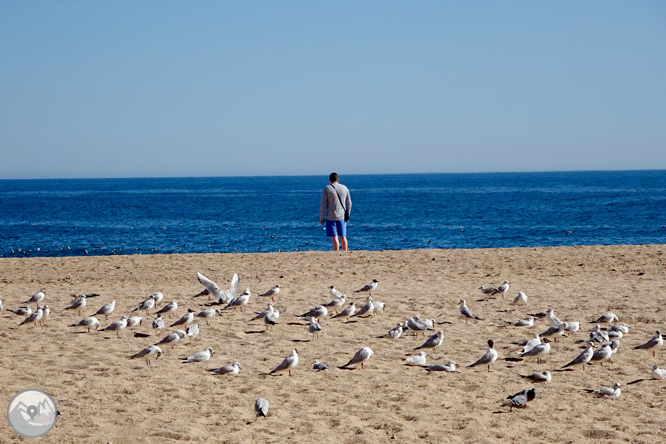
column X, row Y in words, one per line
column 105, row 397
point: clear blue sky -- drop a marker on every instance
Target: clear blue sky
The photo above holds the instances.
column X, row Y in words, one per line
column 213, row 88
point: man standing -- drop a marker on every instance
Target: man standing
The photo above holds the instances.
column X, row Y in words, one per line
column 335, row 202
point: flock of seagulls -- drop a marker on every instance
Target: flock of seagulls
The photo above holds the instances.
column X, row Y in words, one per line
column 602, row 344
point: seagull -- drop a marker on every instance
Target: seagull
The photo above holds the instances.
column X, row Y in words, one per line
column 337, row 303
column 314, row 328
column 22, row 311
column 393, row 333
column 502, row 289
column 554, row 331
column 603, row 353
column 319, row 311
column 226, row 370
column 289, row 362
column 606, row 318
column 271, row 319
column 378, row 306
column 172, row 338
column 78, row 303
column 1, row 304
column 538, row 350
column 597, row 335
column 529, row 322
column 347, row 312
column 148, row 352
column 45, row 314
column 207, row 314
column 488, row 358
column 658, row 373
column 117, row 326
column 260, row 408
column 607, row 392
column 158, row 322
column 541, row 314
column 36, row 298
column 571, row 326
column 417, row 324
column 368, row 287
column 260, row 315
column 239, row 301
column 554, row 320
column 520, row 399
column 34, row 317
column 624, row 328
column 146, row 305
column 466, row 312
column 433, row 341
column 656, row 342
column 419, row 359
column 529, row 343
column 199, row 356
column 538, row 377
column 448, row 367
column 584, row 357
column 87, row 322
column 316, row 365
column 520, row 299
column 335, row 293
column 107, row 309
column 186, row 319
column 360, row 356
column 134, row 321
column 168, row 308
column 272, row 292
column 615, row 346
column 367, row 309
column 487, row 290
column 221, row 296
column 158, row 297
column 192, row 331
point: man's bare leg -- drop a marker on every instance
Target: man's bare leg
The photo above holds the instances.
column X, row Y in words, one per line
column 336, row 243
column 343, row 243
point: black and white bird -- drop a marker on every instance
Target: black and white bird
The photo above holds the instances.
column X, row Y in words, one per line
column 393, row 333
column 146, row 305
column 336, row 303
column 260, row 408
column 360, row 357
column 367, row 309
column 488, row 358
column 34, row 318
column 657, row 341
column 538, row 351
column 213, row 291
column 186, row 319
column 520, row 399
column 272, row 292
column 158, row 322
column 369, row 287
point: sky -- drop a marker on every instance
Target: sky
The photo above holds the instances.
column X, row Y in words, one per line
column 95, row 89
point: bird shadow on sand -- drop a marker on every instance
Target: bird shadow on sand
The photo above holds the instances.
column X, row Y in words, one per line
column 300, row 340
column 253, row 332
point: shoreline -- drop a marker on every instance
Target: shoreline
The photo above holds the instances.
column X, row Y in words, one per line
column 102, row 394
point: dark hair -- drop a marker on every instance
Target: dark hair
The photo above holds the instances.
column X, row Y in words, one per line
column 333, row 177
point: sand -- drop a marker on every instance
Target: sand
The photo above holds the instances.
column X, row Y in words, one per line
column 105, row 397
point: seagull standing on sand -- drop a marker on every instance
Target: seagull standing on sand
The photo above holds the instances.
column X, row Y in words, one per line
column 34, row 317
column 168, row 308
column 134, row 321
column 158, row 322
column 466, row 312
column 260, row 408
column 367, row 309
column 186, row 319
column 488, row 358
column 314, row 328
column 657, row 341
column 319, row 311
column 335, row 293
column 584, row 357
column 207, row 314
column 521, row 299
column 360, row 356
column 192, row 331
column 538, row 351
column 107, row 309
column 240, row 301
column 419, row 359
column 45, row 314
column 502, row 289
column 145, row 305
column 172, row 338
column 148, row 352
column 36, row 298
column 347, row 312
column 289, row 362
column 555, row 331
column 554, row 320
column 270, row 319
column 158, row 297
column 22, row 311
column 603, row 353
column 87, row 322
column 368, row 287
column 393, row 333
column 337, row 303
column 607, row 392
column 487, row 290
column 78, row 303
column 606, row 318
column 117, row 326
column 433, row 342
column 260, row 315
column 272, row 292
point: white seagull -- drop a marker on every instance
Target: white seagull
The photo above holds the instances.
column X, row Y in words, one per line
column 148, row 352
column 314, row 328
column 502, row 289
column 466, row 312
column 584, row 357
column 657, row 341
column 117, row 326
column 168, row 308
column 393, row 333
column 107, row 309
column 658, row 373
column 289, row 362
column 538, row 377
column 78, row 303
column 347, row 312
column 368, row 287
column 221, row 296
column 87, row 322
column 36, row 298
column 158, row 322
column 146, row 305
column 186, row 319
column 360, row 356
column 199, row 356
column 260, row 408
column 34, row 317
column 272, row 292
column 336, row 303
column 521, row 299
column 433, row 341
column 419, row 359
column 226, row 370
column 607, row 318
column 488, row 358
column 607, row 392
column 367, row 309
column 448, row 367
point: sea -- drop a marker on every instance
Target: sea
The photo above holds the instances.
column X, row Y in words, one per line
column 77, row 217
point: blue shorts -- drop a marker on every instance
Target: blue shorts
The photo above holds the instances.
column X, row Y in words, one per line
column 336, row 228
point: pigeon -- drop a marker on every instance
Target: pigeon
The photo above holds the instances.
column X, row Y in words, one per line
column 520, row 399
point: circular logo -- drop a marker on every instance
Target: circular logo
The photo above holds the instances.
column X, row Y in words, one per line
column 32, row 413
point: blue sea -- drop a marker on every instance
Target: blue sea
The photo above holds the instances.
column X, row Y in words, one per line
column 74, row 217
